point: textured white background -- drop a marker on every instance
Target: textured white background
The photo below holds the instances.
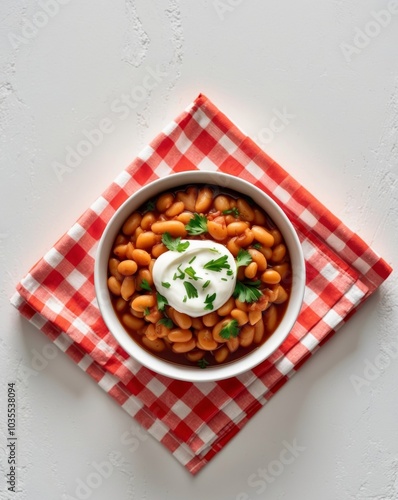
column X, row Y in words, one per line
column 253, row 58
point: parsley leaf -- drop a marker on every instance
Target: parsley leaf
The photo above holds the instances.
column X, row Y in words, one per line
column 230, row 329
column 209, row 302
column 197, row 225
column 174, row 244
column 190, row 271
column 162, row 301
column 203, row 363
column 247, row 291
column 218, row 264
column 148, row 207
column 234, row 211
column 147, row 311
column 257, row 246
column 206, row 284
column 191, row 290
column 243, row 258
column 166, row 322
column 166, row 284
column 145, row 285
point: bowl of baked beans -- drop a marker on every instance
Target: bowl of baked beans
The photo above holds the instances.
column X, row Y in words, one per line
column 199, row 276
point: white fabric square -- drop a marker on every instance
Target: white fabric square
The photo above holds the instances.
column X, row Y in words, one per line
column 162, row 170
column 335, row 242
column 76, row 279
column 282, row 194
column 181, row 409
column 122, row 179
column 99, row 205
column 156, row 387
column 329, row 272
column 53, row 257
column 309, row 341
column 308, row 218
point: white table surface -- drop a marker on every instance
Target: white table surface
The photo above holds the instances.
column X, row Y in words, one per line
column 331, row 68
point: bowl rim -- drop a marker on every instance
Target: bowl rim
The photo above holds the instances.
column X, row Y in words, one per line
column 192, row 373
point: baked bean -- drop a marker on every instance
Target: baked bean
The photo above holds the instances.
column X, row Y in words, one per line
column 245, row 210
column 114, row 285
column 121, row 239
column 217, row 231
column 222, row 203
column 277, row 236
column 263, row 236
column 174, row 227
column 246, row 335
column 259, row 331
column 221, row 354
column 233, row 344
column 185, row 217
column 266, row 251
column 204, row 200
column 132, row 223
column 233, row 247
column 197, row 323
column 243, row 306
column 128, row 287
column 206, row 341
column 240, row 316
column 182, row 320
column 271, row 318
column 120, row 251
column 141, row 302
column 236, row 228
column 137, row 232
column 282, row 269
column 245, row 239
column 154, row 315
column 189, row 198
column 150, row 332
column 278, row 253
column 210, row 319
column 132, row 322
column 195, row 355
column 147, row 220
column 112, row 266
column 271, row 277
column 259, row 217
column 129, row 250
column 164, row 202
column 161, row 330
column 120, row 304
column 141, row 257
column 258, row 258
column 158, row 249
column 282, row 295
column 175, row 209
column 127, row 267
column 147, row 240
column 184, row 346
column 251, row 270
column 225, row 309
column 217, row 329
column 179, row 335
column 145, row 274
column 154, row 345
column 255, row 316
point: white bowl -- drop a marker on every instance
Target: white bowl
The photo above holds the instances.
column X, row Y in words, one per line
column 192, row 373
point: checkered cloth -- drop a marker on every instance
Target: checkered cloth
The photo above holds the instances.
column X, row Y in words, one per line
column 195, row 421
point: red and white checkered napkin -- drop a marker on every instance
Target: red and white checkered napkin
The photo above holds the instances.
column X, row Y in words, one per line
column 195, row 421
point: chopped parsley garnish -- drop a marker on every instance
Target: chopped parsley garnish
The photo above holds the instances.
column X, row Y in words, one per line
column 230, row 329
column 145, row 285
column 218, row 264
column 234, row 211
column 247, row 291
column 197, row 225
column 203, row 363
column 243, row 258
column 166, row 322
column 147, row 311
column 174, row 244
column 191, row 290
column 190, row 271
column 230, row 272
column 257, row 246
column 149, row 206
column 209, row 302
column 181, row 274
column 185, row 299
column 206, row 284
column 193, row 258
column 162, row 301
column 166, row 284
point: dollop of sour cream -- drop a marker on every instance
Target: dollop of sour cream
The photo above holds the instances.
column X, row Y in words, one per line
column 198, row 280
